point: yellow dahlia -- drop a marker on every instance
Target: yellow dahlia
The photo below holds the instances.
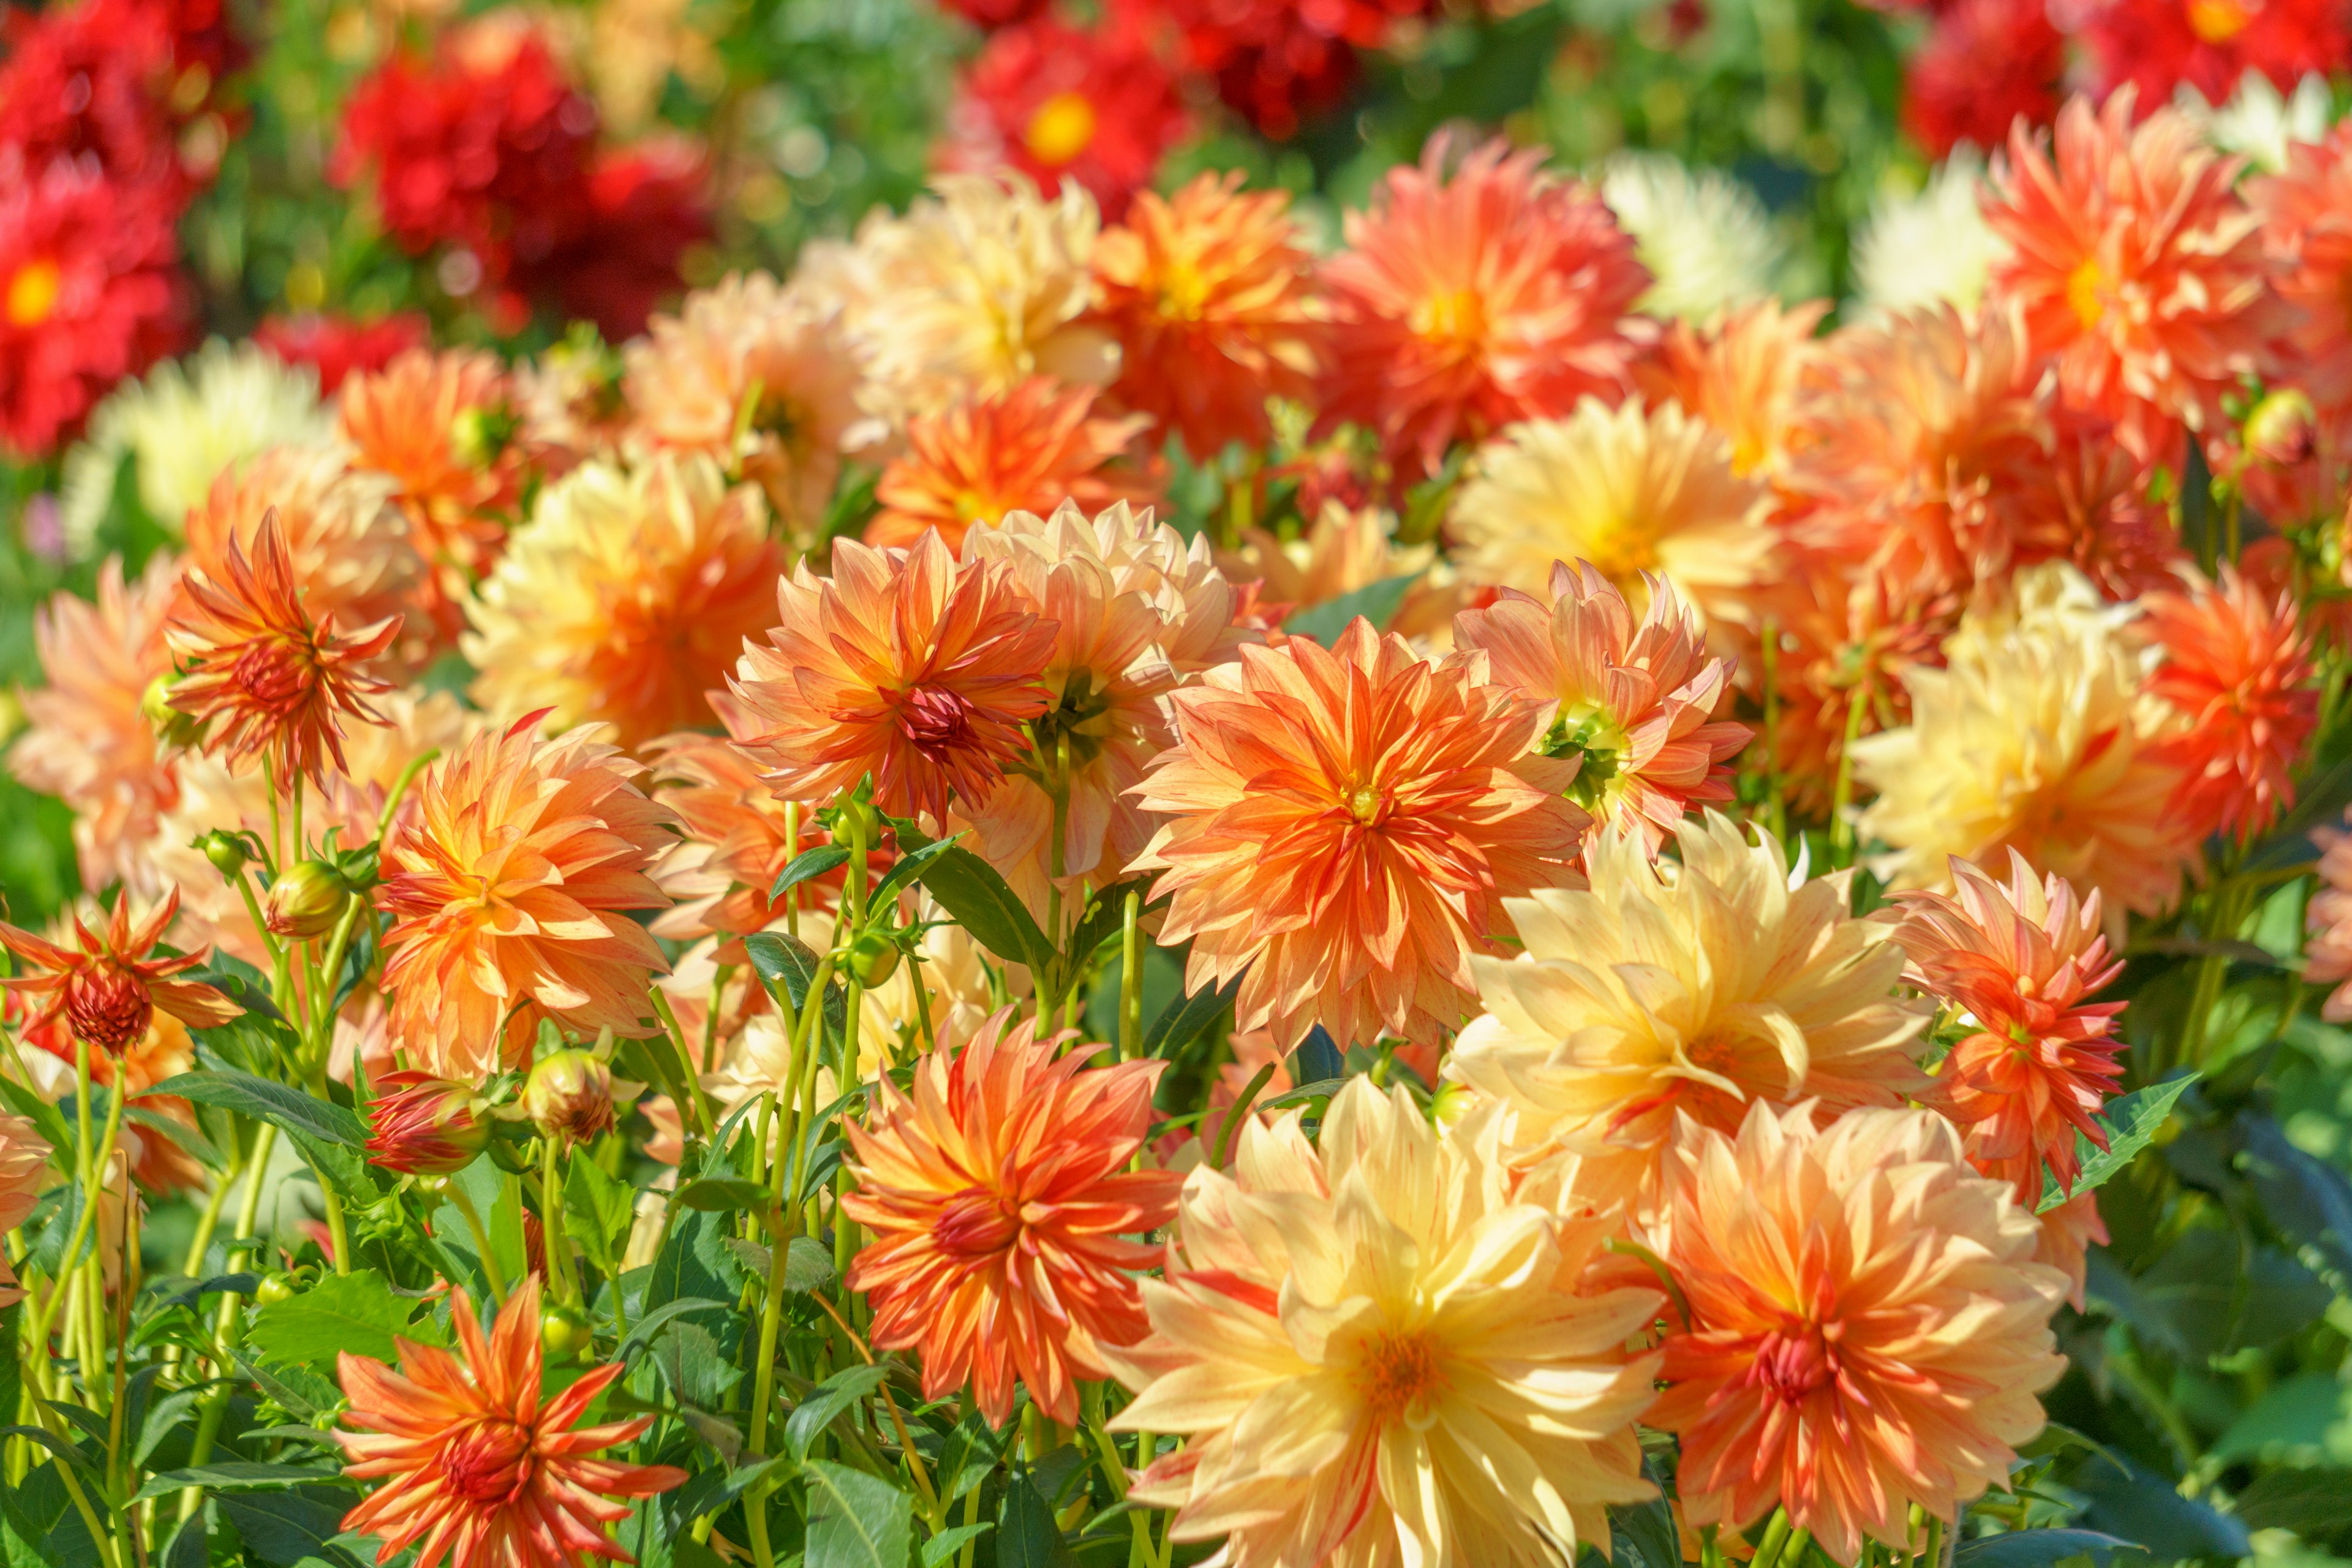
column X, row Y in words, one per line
column 1343, row 549
column 2037, row 735
column 1866, row 1326
column 1377, row 1356
column 625, row 598
column 1630, row 489
column 1694, row 989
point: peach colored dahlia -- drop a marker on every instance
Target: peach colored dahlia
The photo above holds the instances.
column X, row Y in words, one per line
column 1377, row 1356
column 737, row 836
column 1867, row 1328
column 2329, row 955
column 24, row 1171
column 902, row 664
column 479, row 1467
column 509, row 888
column 1339, row 828
column 2306, row 214
column 999, row 1201
column 1664, row 992
column 1029, row 448
column 1740, row 373
column 1467, row 300
column 2238, row 669
column 428, row 420
column 1637, row 703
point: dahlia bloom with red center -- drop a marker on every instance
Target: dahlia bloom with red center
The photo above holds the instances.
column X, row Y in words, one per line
column 479, row 1467
column 89, row 292
column 1211, row 292
column 1470, row 299
column 277, row 685
column 2020, row 958
column 2160, row 46
column 107, row 986
column 1987, row 65
column 999, row 1201
column 2306, row 212
column 902, row 664
column 1637, row 702
column 1027, row 449
column 2138, row 266
column 1095, row 105
column 1864, row 1328
column 1340, row 829
column 2238, row 669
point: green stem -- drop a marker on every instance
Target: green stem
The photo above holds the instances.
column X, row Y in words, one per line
column 763, row 1386
column 464, row 1205
column 208, row 1422
column 1130, row 978
column 83, row 1166
column 1775, row 1541
column 550, row 1220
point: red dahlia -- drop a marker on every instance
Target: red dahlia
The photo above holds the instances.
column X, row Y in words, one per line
column 1988, row 64
column 1052, row 100
column 2158, row 45
column 1276, row 61
column 337, row 346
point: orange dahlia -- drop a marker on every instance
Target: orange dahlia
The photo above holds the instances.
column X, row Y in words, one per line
column 2306, row 213
column 107, row 986
column 1637, row 704
column 509, row 888
column 1210, row 293
column 2238, row 669
column 24, row 1171
column 436, row 423
column 1865, row 1327
column 1340, row 828
column 1740, row 373
column 2019, row 959
column 252, row 660
column 2093, row 504
column 2136, row 265
column 90, row 741
column 1466, row 301
column 903, row 665
column 737, row 836
column 999, row 1197
column 477, row 1465
column 1028, row 448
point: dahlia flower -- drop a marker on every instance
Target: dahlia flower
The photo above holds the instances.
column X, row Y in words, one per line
column 1095, row 106
column 2019, row 959
column 2306, row 213
column 1377, row 1356
column 1211, row 295
column 93, row 82
column 999, row 1197
column 1637, row 703
column 339, row 347
column 1029, row 448
column 1659, row 993
column 690, row 376
column 477, row 1465
column 2238, row 669
column 2328, row 956
column 1931, row 248
column 1339, row 828
column 1343, row 550
column 2137, row 266
column 1739, row 372
column 903, row 665
column 2093, row 504
column 2260, row 123
column 24, row 1171
column 1136, row 611
column 420, row 1125
column 413, row 420
column 2043, row 696
column 1703, row 236
column 89, row 740
column 643, row 208
column 1276, row 61
column 2211, row 46
column 1630, row 489
column 1866, row 1326
column 1987, row 65
column 735, row 843
column 625, row 597
column 89, row 294
column 107, row 986
column 509, row 888
column 1465, row 302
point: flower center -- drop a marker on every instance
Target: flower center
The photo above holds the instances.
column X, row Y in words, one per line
column 2083, row 293
column 937, row 721
column 274, row 673
column 33, row 293
column 1183, row 292
column 1063, row 127
column 2219, row 21
column 488, row 1465
column 1368, row 803
column 1791, row 1364
column 107, row 1007
column 1456, row 317
column 974, row 1223
column 1398, row 1374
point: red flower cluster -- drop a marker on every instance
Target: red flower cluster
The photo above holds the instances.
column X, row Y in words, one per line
column 1986, row 64
column 1096, row 105
column 1278, row 62
column 2209, row 45
column 337, row 348
column 485, row 148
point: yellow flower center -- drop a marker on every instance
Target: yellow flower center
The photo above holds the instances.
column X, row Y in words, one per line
column 1063, row 127
column 1183, row 292
column 1368, row 803
column 33, row 293
column 2219, row 21
column 1399, row 1374
column 2083, row 293
column 1458, row 318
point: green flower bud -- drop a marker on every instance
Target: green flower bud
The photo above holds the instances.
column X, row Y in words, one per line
column 563, row 1331
column 305, row 903
column 874, row 958
column 226, row 851
column 277, row 1287
column 569, row 1095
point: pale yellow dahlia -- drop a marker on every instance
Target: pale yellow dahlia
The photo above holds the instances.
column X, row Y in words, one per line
column 1343, row 549
column 756, row 374
column 1630, row 489
column 2037, row 735
column 1379, row 1357
column 1696, row 989
column 978, row 287
column 625, row 598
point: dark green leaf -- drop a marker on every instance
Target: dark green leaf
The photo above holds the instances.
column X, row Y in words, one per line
column 2315, row 1504
column 1187, row 1019
column 285, row 1528
column 808, row 1266
column 355, row 1312
column 1376, row 602
column 691, row 1262
column 1322, row 1088
column 329, row 1137
column 188, row 1547
column 162, row 1417
column 188, row 1138
column 598, row 1211
column 825, row 1402
column 2306, row 1198
column 300, row 1394
column 690, row 1363
column 908, row 868
column 783, row 958
column 2037, row 1548
column 714, row 1195
column 2132, row 1123
column 2145, row 1508
column 231, row 1475
column 1104, row 917
column 643, row 1331
column 1647, row 1528
column 855, row 1520
column 45, row 1117
column 1026, row 1533
column 981, row 902
column 948, row 1542
column 809, row 864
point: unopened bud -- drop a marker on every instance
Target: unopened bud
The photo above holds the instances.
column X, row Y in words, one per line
column 172, row 727
column 480, row 435
column 874, row 958
column 856, row 819
column 1451, row 1103
column 273, row 1289
column 569, row 1095
column 563, row 1331
column 226, row 850
column 109, row 1006
column 424, row 1126
column 2283, row 429
column 305, row 903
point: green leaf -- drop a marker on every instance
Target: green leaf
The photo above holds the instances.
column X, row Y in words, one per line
column 355, row 1312
column 783, row 958
column 45, row 1117
column 231, row 1475
column 598, row 1211
column 2315, row 1504
column 689, row 1357
column 1026, row 1535
column 1104, row 917
column 2036, row 1549
column 329, row 1137
column 2132, row 1123
column 646, row 1328
column 189, row 1547
column 161, row 1417
column 981, row 902
column 908, row 868
column 1646, row 1530
column 808, row 1266
column 190, row 1140
column 827, row 1401
column 300, row 1394
column 1376, row 602
column 286, row 1528
column 857, row 1520
column 720, row 1195
column 1187, row 1019
column 808, row 864
column 948, row 1542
